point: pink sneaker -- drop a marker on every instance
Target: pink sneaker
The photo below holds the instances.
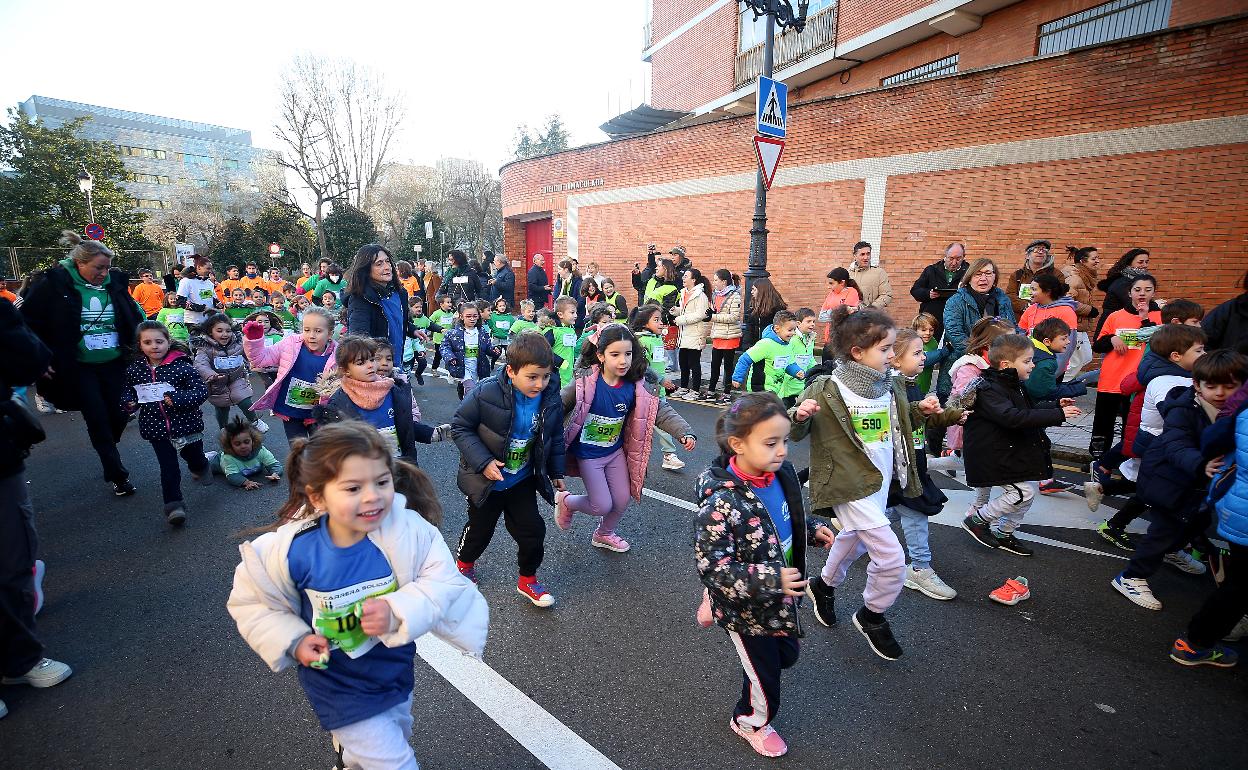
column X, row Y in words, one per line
column 563, row 514
column 610, row 541
column 705, row 618
column 765, row 740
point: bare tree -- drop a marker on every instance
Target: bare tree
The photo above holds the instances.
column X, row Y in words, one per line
column 337, row 122
column 400, row 190
column 471, row 204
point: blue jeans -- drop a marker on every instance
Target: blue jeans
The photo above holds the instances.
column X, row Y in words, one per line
column 914, row 527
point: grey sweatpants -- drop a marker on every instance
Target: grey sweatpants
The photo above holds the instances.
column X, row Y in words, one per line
column 1006, row 511
column 379, row 742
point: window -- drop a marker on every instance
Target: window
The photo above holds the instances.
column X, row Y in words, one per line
column 148, row 178
column 945, row 66
column 230, row 164
column 148, row 203
column 140, row 152
column 1111, row 21
column 192, row 160
column 754, row 31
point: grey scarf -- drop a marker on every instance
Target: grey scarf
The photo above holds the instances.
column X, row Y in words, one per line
column 863, row 381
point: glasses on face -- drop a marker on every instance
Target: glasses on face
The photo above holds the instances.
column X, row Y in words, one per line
column 986, row 273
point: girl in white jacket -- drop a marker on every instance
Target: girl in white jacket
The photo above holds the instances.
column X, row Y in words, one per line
column 693, row 316
column 345, row 585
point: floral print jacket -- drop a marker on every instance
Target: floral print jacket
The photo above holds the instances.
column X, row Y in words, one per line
column 739, row 556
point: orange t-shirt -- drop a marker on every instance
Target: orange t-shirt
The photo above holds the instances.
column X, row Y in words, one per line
column 411, row 286
column 150, row 296
column 227, row 287
column 6, row 294
column 1115, row 365
column 1034, row 314
column 249, row 283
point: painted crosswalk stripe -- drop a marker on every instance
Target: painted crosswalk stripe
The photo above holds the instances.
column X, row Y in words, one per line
column 548, row 739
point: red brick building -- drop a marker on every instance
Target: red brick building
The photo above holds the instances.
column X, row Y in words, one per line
column 913, row 124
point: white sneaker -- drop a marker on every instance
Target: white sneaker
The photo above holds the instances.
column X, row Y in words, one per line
column 671, row 462
column 1137, row 590
column 1184, row 561
column 261, row 426
column 46, row 673
column 40, row 569
column 211, row 457
column 928, row 583
column 1093, row 492
column 43, row 406
column 1239, row 631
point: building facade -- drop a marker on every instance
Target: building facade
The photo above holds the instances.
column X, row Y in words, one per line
column 913, row 124
column 164, row 156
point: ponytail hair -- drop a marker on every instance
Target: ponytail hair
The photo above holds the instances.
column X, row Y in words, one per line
column 1080, row 255
column 841, row 274
column 415, row 485
column 314, row 462
column 640, row 316
column 727, row 276
column 82, row 250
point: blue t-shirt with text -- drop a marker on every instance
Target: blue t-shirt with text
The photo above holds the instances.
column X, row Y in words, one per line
column 298, row 392
column 518, row 461
column 603, row 432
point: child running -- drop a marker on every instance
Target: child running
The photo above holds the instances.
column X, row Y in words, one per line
column 611, row 409
column 750, row 541
column 646, row 323
column 300, row 360
column 467, row 350
column 1005, row 445
column 803, row 345
column 243, row 456
column 166, row 391
column 500, row 323
column 173, row 317
column 509, row 432
column 562, row 338
column 220, row 361
column 527, row 319
column 860, row 425
column 345, row 584
column 966, row 369
column 442, row 319
column 774, row 352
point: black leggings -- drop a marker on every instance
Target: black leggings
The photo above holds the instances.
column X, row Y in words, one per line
column 690, row 368
column 725, row 357
column 1109, row 407
column 171, row 474
column 99, row 390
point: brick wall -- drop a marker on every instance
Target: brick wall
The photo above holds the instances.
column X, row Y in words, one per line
column 859, row 16
column 696, row 67
column 1185, row 205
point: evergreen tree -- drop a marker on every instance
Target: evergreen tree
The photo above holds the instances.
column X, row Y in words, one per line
column 346, row 230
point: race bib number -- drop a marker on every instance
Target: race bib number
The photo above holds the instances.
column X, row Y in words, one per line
column 503, row 325
column 780, row 362
column 1135, row 338
column 460, row 279
column 805, row 361
column 1024, row 291
column 569, row 340
column 227, row 362
column 872, row 425
column 517, row 455
column 602, row 431
column 205, row 296
column 920, row 437
column 336, row 615
column 152, row 392
column 101, row 341
column 301, row 394
column 471, row 353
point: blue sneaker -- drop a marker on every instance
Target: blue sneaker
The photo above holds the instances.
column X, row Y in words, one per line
column 1218, row 655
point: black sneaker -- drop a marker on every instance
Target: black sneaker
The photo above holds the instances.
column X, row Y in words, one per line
column 980, row 530
column 879, row 636
column 176, row 517
column 822, row 596
column 123, row 488
column 1007, row 542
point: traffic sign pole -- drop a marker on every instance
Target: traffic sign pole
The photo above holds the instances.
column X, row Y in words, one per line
column 757, row 268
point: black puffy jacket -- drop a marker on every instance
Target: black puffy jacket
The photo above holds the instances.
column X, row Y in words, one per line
column 1004, row 440
column 340, row 407
column 25, row 359
column 1172, row 476
column 482, row 430
column 53, row 310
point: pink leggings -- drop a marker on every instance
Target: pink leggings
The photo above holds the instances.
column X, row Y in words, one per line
column 885, row 571
column 606, row 487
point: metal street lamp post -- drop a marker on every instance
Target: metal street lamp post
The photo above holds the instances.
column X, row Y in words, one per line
column 85, row 183
column 778, row 12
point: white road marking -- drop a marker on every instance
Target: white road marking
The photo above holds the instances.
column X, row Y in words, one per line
column 545, row 737
column 676, row 501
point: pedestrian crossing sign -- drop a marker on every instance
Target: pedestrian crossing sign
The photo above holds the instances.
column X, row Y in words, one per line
column 773, row 108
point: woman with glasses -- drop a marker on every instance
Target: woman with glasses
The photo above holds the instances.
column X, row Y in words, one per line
column 977, row 297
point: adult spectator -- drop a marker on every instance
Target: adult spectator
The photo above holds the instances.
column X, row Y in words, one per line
column 591, row 294
column 503, row 284
column 538, row 287
column 978, row 297
column 25, row 358
column 568, row 281
column 939, row 280
column 872, row 281
column 149, row 294
column 461, row 283
column 1227, row 324
column 641, row 277
column 170, row 279
column 765, row 302
column 594, row 271
column 682, row 262
column 842, row 291
column 1081, row 276
column 81, row 310
column 1039, row 260
column 432, row 282
column 376, row 301
column 1117, row 283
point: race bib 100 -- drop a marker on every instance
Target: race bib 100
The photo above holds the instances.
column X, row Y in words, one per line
column 335, row 614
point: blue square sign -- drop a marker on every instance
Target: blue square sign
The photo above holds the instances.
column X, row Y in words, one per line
column 773, row 108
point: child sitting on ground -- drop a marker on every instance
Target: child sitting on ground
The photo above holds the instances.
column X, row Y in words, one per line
column 243, row 456
column 1006, row 446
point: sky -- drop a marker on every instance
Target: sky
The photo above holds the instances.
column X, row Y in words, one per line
column 471, row 72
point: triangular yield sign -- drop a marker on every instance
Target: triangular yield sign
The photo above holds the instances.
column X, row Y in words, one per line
column 769, row 151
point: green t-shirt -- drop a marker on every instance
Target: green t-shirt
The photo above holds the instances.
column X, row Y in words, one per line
column 500, row 325
column 564, row 345
column 775, row 357
column 653, row 345
column 100, row 342
column 420, row 322
column 924, row 379
column 443, row 318
column 520, row 325
column 236, row 313
column 174, row 319
column 325, row 285
column 289, row 322
column 804, row 353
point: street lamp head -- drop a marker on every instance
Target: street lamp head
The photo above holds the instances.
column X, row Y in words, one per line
column 85, row 181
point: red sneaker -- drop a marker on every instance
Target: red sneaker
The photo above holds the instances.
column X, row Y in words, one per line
column 1011, row 592
column 467, row 569
column 529, row 587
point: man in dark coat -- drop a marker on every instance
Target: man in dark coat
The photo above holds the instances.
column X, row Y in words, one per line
column 503, row 284
column 538, row 282
column 939, row 280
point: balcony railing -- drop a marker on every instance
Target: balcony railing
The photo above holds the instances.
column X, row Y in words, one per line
column 819, row 35
column 645, row 36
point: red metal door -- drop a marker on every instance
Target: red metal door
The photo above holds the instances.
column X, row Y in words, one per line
column 539, row 238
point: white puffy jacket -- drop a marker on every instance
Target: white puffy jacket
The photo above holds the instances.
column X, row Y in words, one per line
column 691, row 318
column 432, row 596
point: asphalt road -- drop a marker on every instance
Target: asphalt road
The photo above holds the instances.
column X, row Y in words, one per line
column 1075, row 677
